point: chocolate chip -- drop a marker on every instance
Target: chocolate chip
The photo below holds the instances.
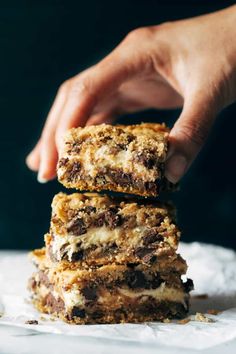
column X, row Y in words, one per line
column 100, row 180
column 99, row 222
column 89, row 293
column 75, row 147
column 135, row 279
column 74, row 171
column 77, row 256
column 32, row 322
column 121, row 147
column 155, row 282
column 152, row 187
column 179, row 311
column 113, row 246
column 109, row 218
column 120, row 177
column 150, row 162
column 43, row 278
column 188, row 285
column 112, row 219
column 90, row 209
column 147, row 159
column 132, row 265
column 146, row 254
column 55, row 305
column 97, row 315
column 104, row 138
column 62, row 162
column 124, row 178
column 129, row 222
column 152, row 236
column 77, row 312
column 32, row 283
column 76, row 227
column 130, row 138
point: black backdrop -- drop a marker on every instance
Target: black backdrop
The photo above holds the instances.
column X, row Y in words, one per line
column 44, row 42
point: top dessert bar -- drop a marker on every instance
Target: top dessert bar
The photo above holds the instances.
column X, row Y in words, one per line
column 120, row 158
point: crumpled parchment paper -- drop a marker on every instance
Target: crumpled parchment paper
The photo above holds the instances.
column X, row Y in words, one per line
column 212, row 268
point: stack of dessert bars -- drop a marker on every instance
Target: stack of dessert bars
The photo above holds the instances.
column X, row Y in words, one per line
column 111, row 259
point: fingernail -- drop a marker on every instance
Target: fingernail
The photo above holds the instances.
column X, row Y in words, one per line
column 176, row 166
column 41, row 179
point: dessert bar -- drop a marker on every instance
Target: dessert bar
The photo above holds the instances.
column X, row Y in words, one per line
column 128, row 159
column 110, row 293
column 98, row 229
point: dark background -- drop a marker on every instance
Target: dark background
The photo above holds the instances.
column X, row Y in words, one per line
column 42, row 43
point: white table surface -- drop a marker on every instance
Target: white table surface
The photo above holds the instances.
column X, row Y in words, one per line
column 17, row 340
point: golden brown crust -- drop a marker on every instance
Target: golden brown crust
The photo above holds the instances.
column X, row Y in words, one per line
column 172, row 264
column 121, row 158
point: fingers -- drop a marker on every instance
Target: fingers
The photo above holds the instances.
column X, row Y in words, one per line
column 102, row 80
column 43, row 158
column 188, row 135
column 78, row 97
column 99, row 118
column 33, row 159
column 48, row 153
column 87, row 90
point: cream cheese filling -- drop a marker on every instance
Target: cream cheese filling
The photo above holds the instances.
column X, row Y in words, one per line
column 106, row 298
column 95, row 236
column 74, row 297
column 100, row 237
column 93, row 163
column 162, row 293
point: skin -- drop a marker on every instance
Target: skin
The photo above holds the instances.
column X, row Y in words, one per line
column 189, row 63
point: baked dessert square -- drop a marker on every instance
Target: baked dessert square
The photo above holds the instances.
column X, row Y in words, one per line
column 129, row 159
column 97, row 229
column 111, row 293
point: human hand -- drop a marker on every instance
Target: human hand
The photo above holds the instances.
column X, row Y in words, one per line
column 189, row 63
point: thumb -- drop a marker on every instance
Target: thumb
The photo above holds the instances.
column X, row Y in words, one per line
column 188, row 135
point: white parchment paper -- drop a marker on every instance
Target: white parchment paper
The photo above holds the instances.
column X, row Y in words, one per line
column 212, row 268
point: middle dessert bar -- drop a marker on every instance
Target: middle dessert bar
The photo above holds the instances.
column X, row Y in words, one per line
column 98, row 230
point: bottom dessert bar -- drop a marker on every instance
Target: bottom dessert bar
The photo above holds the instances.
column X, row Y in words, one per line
column 111, row 293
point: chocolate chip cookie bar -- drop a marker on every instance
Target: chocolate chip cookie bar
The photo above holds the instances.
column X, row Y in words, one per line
column 110, row 293
column 128, row 159
column 98, row 229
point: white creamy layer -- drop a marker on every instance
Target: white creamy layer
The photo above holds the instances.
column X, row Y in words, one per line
column 75, row 298
column 92, row 163
column 123, row 159
column 162, row 293
column 95, row 236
